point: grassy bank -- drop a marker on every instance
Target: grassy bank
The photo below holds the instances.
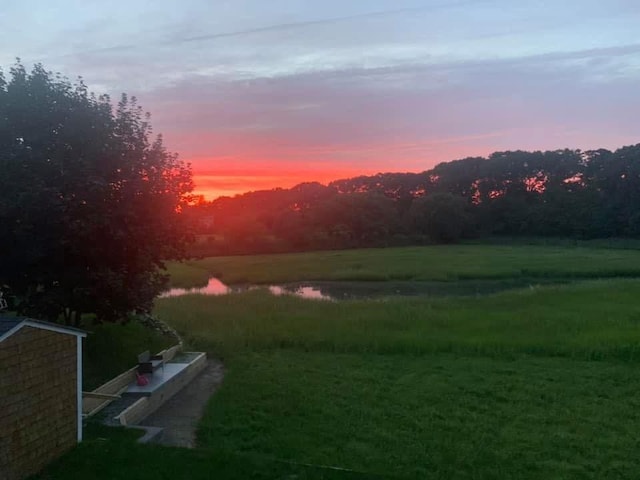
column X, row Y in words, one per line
column 441, row 263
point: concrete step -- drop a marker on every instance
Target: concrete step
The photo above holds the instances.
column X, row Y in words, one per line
column 151, row 434
column 163, row 384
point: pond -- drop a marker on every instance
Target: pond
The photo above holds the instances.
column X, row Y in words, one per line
column 216, row 287
column 350, row 290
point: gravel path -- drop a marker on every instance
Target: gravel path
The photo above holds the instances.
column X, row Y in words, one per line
column 179, row 417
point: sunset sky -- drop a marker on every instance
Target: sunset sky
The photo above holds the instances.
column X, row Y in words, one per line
column 260, row 94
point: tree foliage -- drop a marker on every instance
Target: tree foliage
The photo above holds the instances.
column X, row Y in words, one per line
column 442, row 217
column 568, row 193
column 89, row 203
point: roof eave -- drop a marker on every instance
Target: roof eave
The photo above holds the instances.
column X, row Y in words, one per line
column 52, row 327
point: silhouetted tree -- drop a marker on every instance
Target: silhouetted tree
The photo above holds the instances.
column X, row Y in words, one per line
column 89, row 203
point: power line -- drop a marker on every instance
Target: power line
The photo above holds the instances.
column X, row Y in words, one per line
column 296, row 25
column 274, row 28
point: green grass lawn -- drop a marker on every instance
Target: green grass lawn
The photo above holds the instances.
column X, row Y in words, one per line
column 437, row 416
column 538, row 383
column 113, row 454
column 443, row 263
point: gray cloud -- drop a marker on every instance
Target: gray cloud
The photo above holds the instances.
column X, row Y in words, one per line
column 371, row 117
column 376, row 83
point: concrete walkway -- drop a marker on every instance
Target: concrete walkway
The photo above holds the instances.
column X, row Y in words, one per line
column 179, row 417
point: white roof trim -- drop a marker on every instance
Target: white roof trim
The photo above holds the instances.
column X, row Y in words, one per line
column 42, row 326
column 8, row 333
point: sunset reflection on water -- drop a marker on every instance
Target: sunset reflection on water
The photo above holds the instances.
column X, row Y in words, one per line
column 216, row 287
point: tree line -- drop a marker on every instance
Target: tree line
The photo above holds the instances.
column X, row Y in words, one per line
column 560, row 193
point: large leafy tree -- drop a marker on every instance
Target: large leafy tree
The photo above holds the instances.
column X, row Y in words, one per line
column 90, row 203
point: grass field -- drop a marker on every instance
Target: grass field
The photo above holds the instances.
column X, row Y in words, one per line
column 441, row 263
column 535, row 383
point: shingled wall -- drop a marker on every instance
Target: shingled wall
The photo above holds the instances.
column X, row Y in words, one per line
column 38, row 403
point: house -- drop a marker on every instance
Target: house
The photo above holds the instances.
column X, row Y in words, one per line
column 40, row 394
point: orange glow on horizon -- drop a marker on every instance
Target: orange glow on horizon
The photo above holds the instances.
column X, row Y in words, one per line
column 246, row 161
column 245, row 171
column 214, row 184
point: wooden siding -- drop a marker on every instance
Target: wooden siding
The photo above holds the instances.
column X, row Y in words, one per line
column 38, row 403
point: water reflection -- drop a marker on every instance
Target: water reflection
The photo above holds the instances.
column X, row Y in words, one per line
column 216, row 287
column 349, row 290
column 300, row 291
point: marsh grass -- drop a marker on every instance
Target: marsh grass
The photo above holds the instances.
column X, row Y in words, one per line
column 438, row 262
column 590, row 320
column 187, row 275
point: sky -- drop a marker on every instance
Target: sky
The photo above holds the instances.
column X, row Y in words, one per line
column 262, row 94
